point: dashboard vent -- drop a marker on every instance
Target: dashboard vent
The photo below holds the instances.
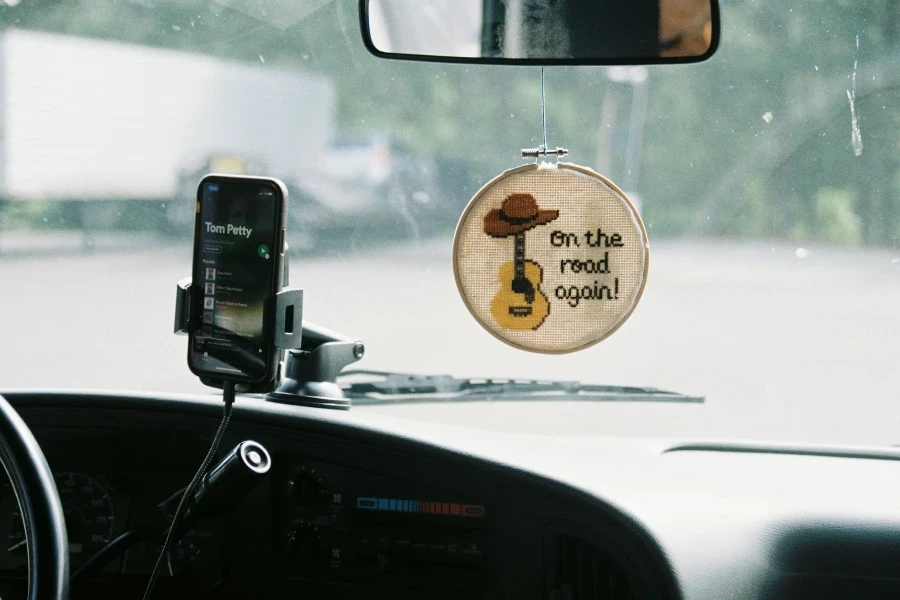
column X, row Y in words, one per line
column 586, row 572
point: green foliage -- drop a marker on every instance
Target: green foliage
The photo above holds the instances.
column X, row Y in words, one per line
column 836, row 218
column 752, row 215
column 711, row 163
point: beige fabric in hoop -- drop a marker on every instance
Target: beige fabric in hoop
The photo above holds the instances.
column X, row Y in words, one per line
column 551, row 258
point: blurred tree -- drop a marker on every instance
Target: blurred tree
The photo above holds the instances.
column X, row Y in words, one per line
column 742, row 145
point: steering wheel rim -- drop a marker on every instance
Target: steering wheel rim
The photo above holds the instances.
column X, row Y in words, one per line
column 42, row 512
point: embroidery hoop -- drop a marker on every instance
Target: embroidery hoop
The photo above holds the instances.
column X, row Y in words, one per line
column 474, row 202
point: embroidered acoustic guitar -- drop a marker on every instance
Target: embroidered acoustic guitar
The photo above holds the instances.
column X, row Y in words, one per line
column 520, row 303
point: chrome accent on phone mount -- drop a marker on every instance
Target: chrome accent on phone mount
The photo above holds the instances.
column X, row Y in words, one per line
column 314, row 357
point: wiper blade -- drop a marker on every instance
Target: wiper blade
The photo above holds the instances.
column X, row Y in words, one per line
column 365, row 387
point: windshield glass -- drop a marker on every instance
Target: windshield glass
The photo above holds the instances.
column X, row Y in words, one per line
column 768, row 179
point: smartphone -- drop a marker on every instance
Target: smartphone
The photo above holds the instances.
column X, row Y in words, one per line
column 238, row 269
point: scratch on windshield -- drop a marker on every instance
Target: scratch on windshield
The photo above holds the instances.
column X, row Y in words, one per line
column 855, row 132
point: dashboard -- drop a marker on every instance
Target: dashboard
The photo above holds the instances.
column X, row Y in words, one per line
column 362, row 505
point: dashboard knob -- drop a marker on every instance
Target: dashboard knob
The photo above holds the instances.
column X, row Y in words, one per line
column 305, row 489
column 302, row 543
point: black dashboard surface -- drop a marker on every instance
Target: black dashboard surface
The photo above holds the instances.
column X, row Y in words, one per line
column 363, row 505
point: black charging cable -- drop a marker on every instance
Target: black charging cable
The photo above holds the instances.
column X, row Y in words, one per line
column 228, row 397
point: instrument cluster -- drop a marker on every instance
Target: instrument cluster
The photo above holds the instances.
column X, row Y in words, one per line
column 98, row 507
column 95, row 508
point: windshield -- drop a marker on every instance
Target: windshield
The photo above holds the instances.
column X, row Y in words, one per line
column 768, row 179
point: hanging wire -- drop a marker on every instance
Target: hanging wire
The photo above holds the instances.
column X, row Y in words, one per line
column 543, row 111
column 543, row 149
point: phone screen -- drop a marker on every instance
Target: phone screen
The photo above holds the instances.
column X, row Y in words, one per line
column 236, row 269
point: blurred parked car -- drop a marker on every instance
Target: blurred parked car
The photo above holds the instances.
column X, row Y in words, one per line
column 383, row 164
column 357, row 181
column 364, row 179
column 386, row 175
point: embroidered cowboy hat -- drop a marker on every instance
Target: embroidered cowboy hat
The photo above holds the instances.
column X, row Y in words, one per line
column 518, row 213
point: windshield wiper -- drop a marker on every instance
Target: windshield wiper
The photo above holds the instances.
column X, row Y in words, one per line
column 365, row 387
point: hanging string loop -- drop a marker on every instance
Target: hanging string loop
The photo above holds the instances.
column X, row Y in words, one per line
column 543, row 149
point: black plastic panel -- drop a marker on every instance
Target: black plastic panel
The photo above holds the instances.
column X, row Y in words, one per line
column 443, row 525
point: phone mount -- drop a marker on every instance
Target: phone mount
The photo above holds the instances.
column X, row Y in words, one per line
column 309, row 373
column 314, row 356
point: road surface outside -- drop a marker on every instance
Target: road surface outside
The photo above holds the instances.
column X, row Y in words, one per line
column 784, row 343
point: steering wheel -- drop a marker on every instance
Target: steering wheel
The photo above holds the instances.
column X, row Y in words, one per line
column 45, row 528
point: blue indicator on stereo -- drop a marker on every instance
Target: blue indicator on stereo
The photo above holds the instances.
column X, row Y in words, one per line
column 451, row 509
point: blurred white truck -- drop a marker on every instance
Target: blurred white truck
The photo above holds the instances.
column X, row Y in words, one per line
column 86, row 121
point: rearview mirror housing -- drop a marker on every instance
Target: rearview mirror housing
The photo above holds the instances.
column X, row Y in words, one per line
column 542, row 32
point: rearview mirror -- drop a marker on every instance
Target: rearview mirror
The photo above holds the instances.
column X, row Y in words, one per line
column 589, row 32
